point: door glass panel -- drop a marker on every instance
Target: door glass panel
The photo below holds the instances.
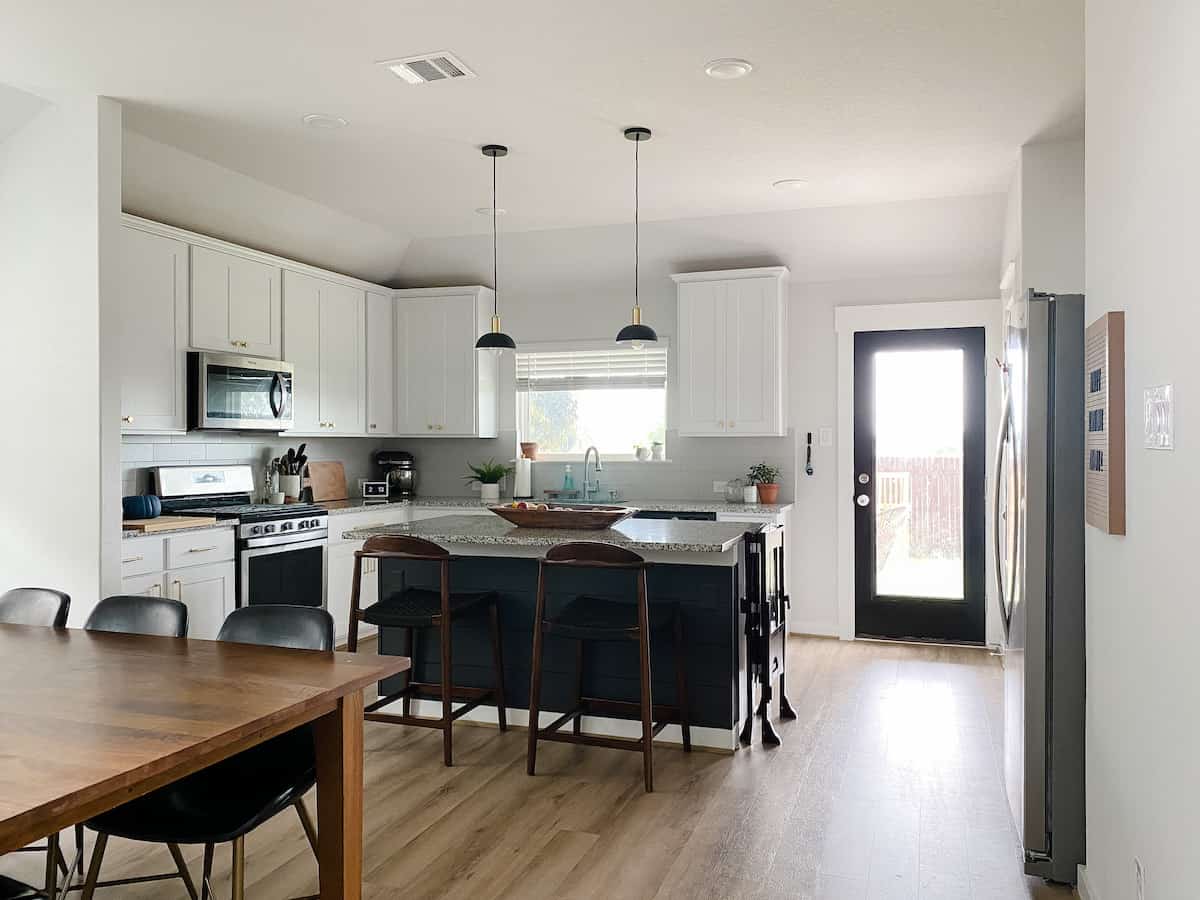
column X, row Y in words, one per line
column 919, row 474
column 235, row 393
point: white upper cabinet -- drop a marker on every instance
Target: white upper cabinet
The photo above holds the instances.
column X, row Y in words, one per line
column 731, row 357
column 235, row 304
column 324, row 337
column 381, row 363
column 153, row 325
column 444, row 387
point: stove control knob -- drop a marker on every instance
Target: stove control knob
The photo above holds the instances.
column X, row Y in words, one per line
column 268, row 529
column 255, row 529
column 285, row 526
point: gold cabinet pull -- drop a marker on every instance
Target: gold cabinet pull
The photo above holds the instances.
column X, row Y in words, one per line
column 178, row 589
column 132, row 559
column 202, row 549
column 128, row 420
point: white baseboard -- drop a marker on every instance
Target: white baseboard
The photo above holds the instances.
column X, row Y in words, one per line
column 1084, row 887
column 814, row 627
column 709, row 738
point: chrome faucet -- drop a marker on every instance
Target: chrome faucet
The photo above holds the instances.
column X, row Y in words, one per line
column 590, row 487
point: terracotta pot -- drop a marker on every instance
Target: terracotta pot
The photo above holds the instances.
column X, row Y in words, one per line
column 529, row 449
column 768, row 493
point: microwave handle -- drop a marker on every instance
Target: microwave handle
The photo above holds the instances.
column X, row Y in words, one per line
column 277, row 385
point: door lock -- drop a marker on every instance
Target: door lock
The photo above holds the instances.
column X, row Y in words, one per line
column 863, row 478
column 862, row 500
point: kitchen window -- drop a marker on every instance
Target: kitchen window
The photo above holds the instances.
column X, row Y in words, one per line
column 612, row 397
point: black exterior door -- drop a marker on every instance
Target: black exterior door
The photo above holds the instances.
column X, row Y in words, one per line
column 919, row 469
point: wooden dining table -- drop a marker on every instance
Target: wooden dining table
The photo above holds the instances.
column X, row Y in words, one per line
column 90, row 720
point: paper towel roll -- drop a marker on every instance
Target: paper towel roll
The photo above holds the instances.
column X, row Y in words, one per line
column 523, row 478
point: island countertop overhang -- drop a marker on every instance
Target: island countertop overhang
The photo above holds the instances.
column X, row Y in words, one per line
column 658, row 540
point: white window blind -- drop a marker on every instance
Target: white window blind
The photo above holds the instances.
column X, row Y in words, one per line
column 581, row 370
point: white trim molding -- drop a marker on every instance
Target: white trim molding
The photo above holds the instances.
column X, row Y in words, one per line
column 903, row 317
column 1084, row 887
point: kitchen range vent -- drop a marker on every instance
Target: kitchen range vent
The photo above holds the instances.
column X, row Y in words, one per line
column 428, row 67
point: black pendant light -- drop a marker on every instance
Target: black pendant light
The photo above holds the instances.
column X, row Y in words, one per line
column 495, row 340
column 636, row 335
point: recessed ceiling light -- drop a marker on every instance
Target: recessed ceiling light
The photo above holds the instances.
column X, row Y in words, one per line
column 487, row 211
column 789, row 184
column 728, row 69
column 321, row 120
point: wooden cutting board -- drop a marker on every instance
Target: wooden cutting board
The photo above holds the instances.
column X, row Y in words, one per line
column 327, row 480
column 166, row 523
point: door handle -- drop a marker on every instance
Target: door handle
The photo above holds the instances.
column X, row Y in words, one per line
column 1001, row 444
column 178, row 589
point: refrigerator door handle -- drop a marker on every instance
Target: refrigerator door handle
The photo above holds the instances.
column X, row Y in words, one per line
column 1001, row 444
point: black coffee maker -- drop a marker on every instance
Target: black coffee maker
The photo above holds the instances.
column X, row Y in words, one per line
column 400, row 470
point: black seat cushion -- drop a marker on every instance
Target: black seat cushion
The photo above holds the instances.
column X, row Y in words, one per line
column 415, row 607
column 11, row 889
column 217, row 804
column 592, row 618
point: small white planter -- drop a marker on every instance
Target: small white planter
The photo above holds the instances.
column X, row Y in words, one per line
column 750, row 494
column 489, row 493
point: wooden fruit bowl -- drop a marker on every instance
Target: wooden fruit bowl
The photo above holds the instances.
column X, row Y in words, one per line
column 566, row 516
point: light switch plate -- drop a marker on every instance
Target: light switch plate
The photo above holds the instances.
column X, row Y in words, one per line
column 826, row 437
column 1159, row 409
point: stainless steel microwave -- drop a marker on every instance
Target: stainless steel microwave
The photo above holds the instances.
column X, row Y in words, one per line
column 229, row 391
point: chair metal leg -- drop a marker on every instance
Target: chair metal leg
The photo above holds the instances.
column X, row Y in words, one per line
column 79, row 848
column 184, row 874
column 535, row 676
column 206, row 874
column 93, row 873
column 498, row 662
column 237, row 890
column 644, row 673
column 306, row 822
column 410, row 650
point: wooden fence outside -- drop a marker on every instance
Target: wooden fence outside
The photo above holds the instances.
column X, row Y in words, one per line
column 933, row 485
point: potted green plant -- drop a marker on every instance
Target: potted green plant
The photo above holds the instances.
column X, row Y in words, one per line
column 488, row 476
column 766, row 478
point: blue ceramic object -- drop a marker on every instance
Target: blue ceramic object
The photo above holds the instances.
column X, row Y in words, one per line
column 145, row 506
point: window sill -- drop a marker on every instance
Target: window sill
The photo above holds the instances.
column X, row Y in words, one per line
column 606, row 460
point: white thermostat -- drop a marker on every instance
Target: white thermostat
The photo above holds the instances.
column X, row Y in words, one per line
column 1160, row 418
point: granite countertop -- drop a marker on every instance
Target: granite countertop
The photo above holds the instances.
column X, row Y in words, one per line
column 662, row 535
column 718, row 506
column 223, row 523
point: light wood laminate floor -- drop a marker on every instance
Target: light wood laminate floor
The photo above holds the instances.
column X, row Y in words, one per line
column 887, row 786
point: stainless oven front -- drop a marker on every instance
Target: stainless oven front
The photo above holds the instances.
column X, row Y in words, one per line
column 290, row 569
column 229, row 391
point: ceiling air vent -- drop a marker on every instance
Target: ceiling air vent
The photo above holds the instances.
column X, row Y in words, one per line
column 428, row 67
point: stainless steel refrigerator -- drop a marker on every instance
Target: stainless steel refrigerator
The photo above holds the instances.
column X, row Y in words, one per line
column 1039, row 522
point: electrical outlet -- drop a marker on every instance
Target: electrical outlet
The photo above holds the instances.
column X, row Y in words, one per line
column 826, row 437
column 718, row 487
column 1139, row 874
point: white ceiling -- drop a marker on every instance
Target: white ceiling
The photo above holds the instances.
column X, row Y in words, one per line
column 869, row 100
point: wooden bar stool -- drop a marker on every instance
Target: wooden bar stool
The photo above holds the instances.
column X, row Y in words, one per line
column 414, row 609
column 585, row 619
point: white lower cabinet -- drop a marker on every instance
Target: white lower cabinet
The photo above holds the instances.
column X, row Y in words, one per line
column 341, row 579
column 208, row 592
column 207, row 588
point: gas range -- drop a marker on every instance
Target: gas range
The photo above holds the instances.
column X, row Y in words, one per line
column 281, row 550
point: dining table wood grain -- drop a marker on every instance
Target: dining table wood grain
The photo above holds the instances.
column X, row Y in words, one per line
column 90, row 720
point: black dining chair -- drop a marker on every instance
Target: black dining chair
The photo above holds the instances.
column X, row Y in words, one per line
column 228, row 800
column 35, row 606
column 139, row 614
column 46, row 608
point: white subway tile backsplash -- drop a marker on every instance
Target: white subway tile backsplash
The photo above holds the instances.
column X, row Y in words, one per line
column 177, row 453
column 137, row 452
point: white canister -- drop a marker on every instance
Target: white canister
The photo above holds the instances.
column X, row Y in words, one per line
column 750, row 493
column 657, row 450
column 489, row 493
column 290, row 485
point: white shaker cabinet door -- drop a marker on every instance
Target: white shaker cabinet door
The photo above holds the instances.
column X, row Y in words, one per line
column 752, row 364
column 459, row 378
column 420, row 386
column 153, row 326
column 235, row 304
column 209, row 594
column 343, row 359
column 302, row 346
column 381, row 362
column 702, row 359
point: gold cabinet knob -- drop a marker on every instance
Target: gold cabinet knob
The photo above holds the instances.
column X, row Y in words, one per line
column 373, row 426
column 731, row 424
column 128, row 420
column 430, row 427
column 441, row 427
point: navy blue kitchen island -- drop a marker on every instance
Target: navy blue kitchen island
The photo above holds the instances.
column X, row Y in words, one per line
column 695, row 564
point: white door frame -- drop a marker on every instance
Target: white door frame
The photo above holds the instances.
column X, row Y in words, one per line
column 902, row 317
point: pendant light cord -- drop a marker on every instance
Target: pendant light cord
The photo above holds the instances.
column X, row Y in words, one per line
column 637, row 236
column 495, row 255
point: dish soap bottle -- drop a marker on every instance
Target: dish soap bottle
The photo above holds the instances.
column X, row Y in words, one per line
column 568, row 479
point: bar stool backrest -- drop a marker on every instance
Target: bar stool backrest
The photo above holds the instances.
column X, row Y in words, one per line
column 35, row 606
column 593, row 554
column 402, row 545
